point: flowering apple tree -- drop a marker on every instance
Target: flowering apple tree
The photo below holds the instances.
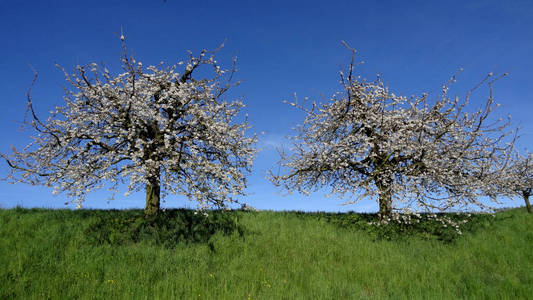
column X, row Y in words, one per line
column 517, row 179
column 406, row 153
column 150, row 127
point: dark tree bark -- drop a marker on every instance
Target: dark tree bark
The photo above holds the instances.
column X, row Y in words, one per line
column 153, row 190
column 526, row 195
column 385, row 199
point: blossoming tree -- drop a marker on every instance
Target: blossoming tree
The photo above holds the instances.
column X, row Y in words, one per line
column 153, row 128
column 406, row 153
column 517, row 179
column 524, row 180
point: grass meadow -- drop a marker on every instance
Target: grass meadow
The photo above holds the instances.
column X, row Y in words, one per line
column 96, row 254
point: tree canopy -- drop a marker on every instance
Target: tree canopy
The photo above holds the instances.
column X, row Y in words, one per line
column 407, row 153
column 150, row 127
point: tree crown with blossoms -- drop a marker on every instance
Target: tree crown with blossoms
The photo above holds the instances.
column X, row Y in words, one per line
column 522, row 174
column 150, row 127
column 516, row 180
column 406, row 153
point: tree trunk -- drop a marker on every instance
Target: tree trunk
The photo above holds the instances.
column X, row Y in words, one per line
column 385, row 200
column 153, row 189
column 526, row 199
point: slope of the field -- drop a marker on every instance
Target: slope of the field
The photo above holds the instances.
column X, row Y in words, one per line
column 62, row 254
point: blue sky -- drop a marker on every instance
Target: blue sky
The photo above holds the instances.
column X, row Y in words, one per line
column 282, row 48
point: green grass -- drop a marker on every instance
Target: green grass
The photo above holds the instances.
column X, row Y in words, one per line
column 58, row 254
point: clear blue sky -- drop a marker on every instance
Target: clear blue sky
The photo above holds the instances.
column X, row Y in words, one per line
column 283, row 47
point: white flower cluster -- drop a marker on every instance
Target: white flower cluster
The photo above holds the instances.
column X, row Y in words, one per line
column 144, row 126
column 407, row 153
column 406, row 217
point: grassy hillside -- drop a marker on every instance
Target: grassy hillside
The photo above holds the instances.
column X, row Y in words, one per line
column 58, row 254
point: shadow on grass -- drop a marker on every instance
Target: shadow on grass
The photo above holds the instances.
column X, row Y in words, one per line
column 169, row 229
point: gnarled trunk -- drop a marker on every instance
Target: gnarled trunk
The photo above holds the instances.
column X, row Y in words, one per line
column 153, row 189
column 385, row 198
column 385, row 203
column 526, row 199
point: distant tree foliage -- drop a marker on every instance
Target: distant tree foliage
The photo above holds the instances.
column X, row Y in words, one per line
column 517, row 180
column 409, row 154
column 150, row 127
